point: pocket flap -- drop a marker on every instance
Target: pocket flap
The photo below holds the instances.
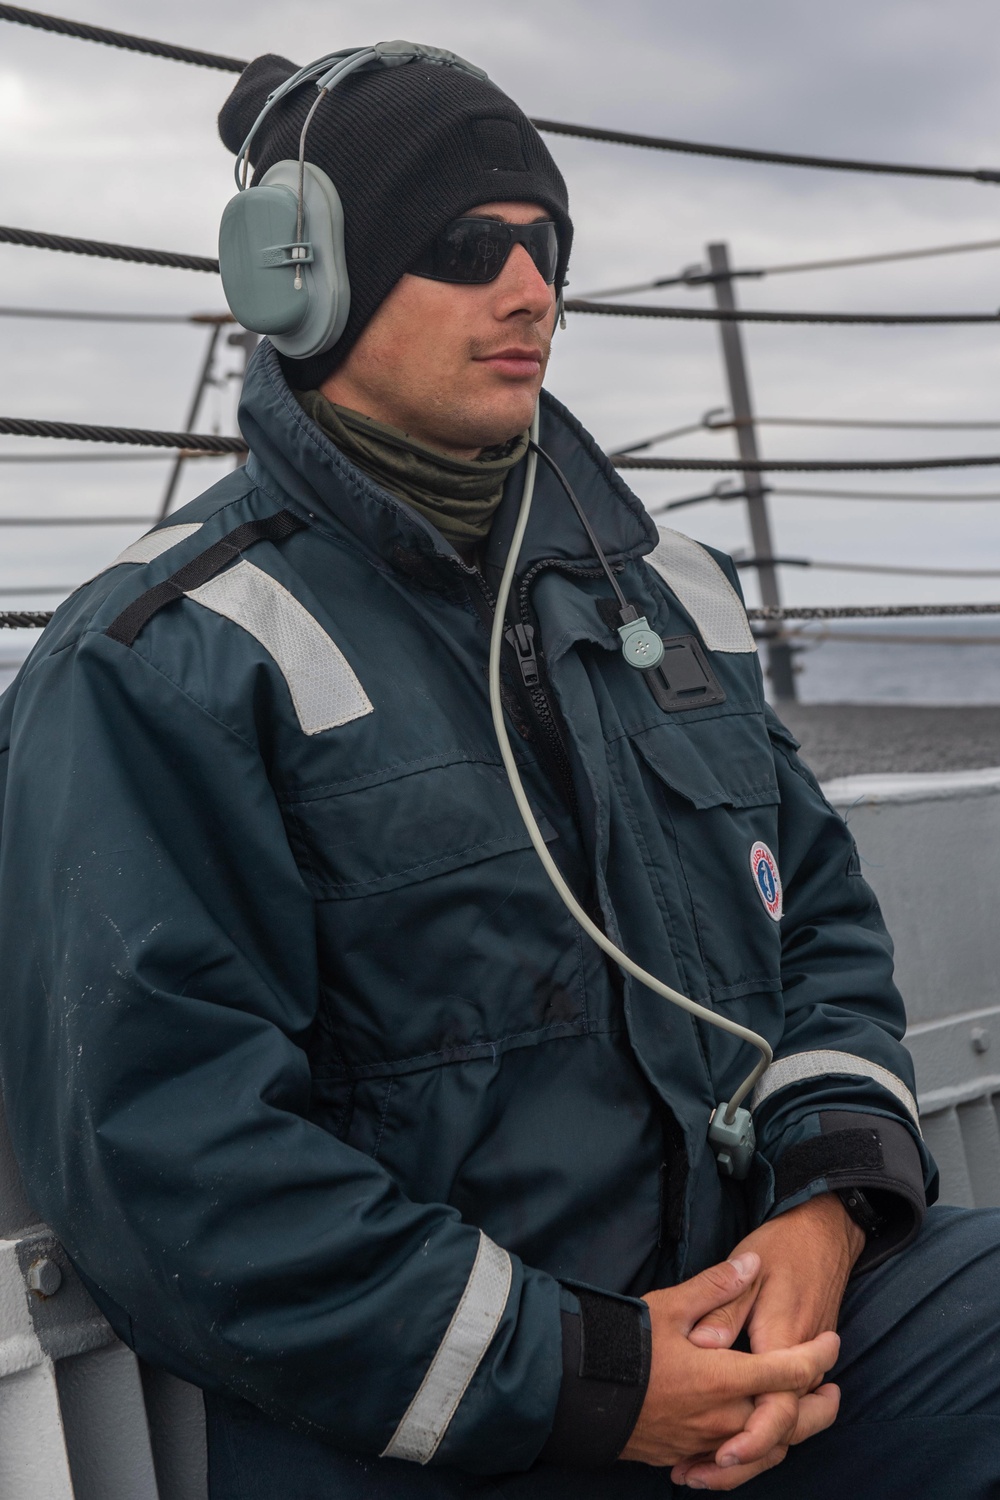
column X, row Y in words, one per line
column 717, row 762
column 408, row 828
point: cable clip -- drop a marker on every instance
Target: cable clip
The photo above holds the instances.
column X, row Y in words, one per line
column 641, row 646
column 733, row 1141
column 299, row 253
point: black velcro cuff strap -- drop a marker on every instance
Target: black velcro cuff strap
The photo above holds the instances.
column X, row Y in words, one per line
column 611, row 1339
column 606, row 1355
column 872, row 1152
column 837, row 1156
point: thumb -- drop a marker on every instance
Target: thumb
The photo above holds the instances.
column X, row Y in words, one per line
column 715, row 1287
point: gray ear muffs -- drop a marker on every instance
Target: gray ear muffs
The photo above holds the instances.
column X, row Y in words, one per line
column 297, row 292
column 281, row 243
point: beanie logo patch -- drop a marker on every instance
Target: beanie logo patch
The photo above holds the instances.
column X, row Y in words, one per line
column 499, row 145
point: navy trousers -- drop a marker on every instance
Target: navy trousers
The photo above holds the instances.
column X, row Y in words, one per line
column 920, row 1415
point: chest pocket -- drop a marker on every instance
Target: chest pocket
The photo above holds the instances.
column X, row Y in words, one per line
column 440, row 937
column 714, row 798
column 379, row 834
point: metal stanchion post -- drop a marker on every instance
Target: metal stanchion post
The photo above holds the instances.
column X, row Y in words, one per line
column 247, row 341
column 779, row 653
column 204, row 380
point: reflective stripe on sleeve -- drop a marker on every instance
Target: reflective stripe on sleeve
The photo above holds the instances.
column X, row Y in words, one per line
column 704, row 590
column 458, row 1357
column 324, row 688
column 803, row 1067
column 151, row 546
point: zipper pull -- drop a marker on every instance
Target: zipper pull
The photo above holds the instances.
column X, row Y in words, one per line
column 522, row 639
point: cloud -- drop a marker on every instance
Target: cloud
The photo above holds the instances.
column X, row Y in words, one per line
column 115, row 146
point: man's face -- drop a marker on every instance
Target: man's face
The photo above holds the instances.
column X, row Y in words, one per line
column 457, row 367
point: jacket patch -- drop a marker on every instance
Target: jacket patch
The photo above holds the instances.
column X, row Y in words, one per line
column 325, row 691
column 705, row 592
column 153, row 545
column 764, row 868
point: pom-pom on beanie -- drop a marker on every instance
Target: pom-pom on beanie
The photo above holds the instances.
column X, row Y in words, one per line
column 409, row 149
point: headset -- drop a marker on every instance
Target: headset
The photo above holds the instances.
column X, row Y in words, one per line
column 284, row 271
column 281, row 243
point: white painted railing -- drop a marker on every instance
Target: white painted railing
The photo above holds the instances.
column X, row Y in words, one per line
column 80, row 1419
column 930, row 848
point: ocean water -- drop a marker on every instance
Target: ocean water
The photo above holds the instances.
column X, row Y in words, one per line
column 953, row 660
column 948, row 661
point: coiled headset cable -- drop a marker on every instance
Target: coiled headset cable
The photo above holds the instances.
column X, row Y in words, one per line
column 731, row 1131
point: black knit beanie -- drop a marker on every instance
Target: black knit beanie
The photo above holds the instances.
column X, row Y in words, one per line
column 409, row 148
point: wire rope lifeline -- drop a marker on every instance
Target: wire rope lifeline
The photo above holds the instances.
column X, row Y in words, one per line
column 42, row 588
column 176, row 260
column 827, row 566
column 77, row 521
column 37, row 619
column 778, row 158
column 766, row 613
column 697, row 275
column 804, row 465
column 24, row 619
column 85, row 33
column 755, row 315
column 131, row 43
column 727, row 1115
column 202, row 442
column 879, row 424
column 36, row 240
column 78, row 315
column 721, row 493
column 214, row 443
column 823, row 494
column 717, row 420
column 104, row 458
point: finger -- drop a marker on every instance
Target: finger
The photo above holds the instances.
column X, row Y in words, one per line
column 773, row 1425
column 708, row 1475
column 715, row 1287
column 796, row 1369
column 721, row 1328
column 816, row 1413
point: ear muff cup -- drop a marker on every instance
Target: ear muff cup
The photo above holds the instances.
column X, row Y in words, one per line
column 256, row 239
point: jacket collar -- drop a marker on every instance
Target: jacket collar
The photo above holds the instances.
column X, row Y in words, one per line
column 290, row 455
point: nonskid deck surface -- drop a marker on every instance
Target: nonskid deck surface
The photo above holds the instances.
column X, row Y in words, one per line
column 851, row 739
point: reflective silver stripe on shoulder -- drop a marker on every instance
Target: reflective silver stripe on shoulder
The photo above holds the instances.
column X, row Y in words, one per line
column 325, row 691
column 704, row 590
column 804, row 1066
column 460, row 1353
column 155, row 543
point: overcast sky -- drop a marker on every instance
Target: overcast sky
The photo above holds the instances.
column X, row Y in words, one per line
column 109, row 145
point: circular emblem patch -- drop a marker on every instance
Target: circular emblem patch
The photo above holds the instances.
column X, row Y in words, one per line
column 764, row 868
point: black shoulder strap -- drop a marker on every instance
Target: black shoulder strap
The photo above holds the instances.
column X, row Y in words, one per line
column 126, row 626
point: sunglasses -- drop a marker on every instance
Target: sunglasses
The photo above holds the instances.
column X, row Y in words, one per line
column 476, row 250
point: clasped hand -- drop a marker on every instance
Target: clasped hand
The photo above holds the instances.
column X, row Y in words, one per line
column 717, row 1416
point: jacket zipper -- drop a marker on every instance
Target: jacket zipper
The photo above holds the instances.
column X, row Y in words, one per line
column 520, row 640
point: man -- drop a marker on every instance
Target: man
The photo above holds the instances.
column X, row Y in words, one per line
column 333, row 1105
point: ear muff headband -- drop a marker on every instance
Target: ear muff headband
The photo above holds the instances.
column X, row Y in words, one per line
column 326, row 70
column 281, row 243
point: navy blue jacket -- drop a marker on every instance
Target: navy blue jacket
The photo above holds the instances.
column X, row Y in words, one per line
column 329, row 1099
